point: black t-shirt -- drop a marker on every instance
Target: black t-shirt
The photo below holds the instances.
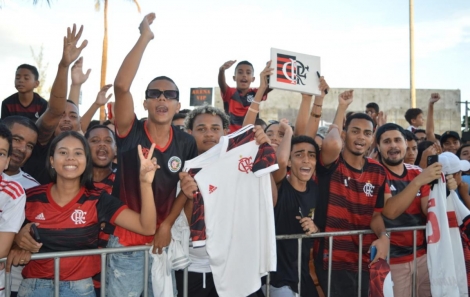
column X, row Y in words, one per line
column 292, row 203
column 36, row 164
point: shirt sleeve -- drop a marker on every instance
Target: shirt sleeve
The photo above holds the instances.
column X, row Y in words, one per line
column 425, row 191
column 228, row 94
column 265, row 161
column 13, row 214
column 109, row 207
column 383, row 190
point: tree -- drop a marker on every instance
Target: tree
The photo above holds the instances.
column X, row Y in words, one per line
column 42, row 69
column 104, row 54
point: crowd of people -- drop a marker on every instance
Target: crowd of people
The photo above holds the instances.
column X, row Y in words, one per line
column 70, row 183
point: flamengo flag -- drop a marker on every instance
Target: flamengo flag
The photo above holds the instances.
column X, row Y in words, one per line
column 295, row 72
column 380, row 284
column 441, row 263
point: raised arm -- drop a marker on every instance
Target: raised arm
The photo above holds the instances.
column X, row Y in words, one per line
column 283, row 151
column 56, row 107
column 124, row 106
column 144, row 223
column 315, row 114
column 78, row 79
column 250, row 117
column 101, row 100
column 430, row 120
column 221, row 79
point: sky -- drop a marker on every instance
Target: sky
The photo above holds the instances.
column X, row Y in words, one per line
column 362, row 43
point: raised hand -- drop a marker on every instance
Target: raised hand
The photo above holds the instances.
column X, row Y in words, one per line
column 434, row 98
column 260, row 136
column 284, row 125
column 381, row 119
column 78, row 77
column 148, row 165
column 71, row 52
column 323, row 86
column 346, row 97
column 227, row 65
column 144, row 26
column 429, row 174
column 101, row 98
column 267, row 71
column 188, row 185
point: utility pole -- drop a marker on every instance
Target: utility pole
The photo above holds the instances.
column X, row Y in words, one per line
column 412, row 54
column 466, row 113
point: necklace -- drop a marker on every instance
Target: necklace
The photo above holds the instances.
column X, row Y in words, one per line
column 350, row 172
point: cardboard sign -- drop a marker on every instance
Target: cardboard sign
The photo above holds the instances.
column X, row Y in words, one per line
column 295, row 72
column 200, row 96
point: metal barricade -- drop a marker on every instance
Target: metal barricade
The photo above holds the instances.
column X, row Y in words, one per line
column 105, row 251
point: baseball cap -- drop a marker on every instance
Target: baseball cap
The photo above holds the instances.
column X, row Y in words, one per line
column 448, row 134
column 452, row 164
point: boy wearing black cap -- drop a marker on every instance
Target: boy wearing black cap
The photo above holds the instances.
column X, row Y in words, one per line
column 450, row 141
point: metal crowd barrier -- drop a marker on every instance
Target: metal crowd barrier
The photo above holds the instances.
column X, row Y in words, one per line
column 105, row 251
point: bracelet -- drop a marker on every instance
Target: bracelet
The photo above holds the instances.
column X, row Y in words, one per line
column 256, row 102
column 315, row 115
column 253, row 110
column 386, row 234
column 318, row 105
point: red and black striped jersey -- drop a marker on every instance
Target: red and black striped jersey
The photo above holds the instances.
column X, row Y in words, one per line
column 350, row 197
column 180, row 147
column 74, row 226
column 236, row 105
column 106, row 228
column 401, row 243
column 12, row 106
column 107, row 183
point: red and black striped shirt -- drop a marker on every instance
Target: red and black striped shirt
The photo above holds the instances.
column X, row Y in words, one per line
column 12, row 106
column 350, row 197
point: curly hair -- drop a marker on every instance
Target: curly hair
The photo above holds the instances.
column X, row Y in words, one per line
column 189, row 120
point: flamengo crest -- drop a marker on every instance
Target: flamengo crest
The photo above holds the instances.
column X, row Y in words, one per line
column 245, row 164
column 78, row 216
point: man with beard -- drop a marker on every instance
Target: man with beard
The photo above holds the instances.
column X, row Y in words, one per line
column 24, row 135
column 407, row 207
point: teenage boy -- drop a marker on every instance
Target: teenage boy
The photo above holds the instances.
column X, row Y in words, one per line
column 237, row 100
column 411, row 147
column 26, row 102
column 372, row 109
column 350, row 182
column 12, row 203
column 173, row 148
column 414, row 117
column 407, row 207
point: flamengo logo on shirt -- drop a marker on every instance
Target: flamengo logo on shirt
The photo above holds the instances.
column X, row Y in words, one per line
column 245, row 164
column 78, row 216
column 212, row 189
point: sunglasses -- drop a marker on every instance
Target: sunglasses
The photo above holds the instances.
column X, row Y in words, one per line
column 156, row 93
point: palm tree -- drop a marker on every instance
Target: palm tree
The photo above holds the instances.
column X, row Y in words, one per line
column 104, row 55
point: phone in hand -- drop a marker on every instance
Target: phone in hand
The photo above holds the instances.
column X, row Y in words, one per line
column 431, row 160
column 373, row 252
column 34, row 232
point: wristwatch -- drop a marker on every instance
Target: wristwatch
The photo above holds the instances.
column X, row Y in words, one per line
column 386, row 234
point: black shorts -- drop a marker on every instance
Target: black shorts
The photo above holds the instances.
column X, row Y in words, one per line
column 343, row 282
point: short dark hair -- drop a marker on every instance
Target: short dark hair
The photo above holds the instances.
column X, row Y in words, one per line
column 191, row 116
column 459, row 151
column 5, row 133
column 359, row 116
column 24, row 121
column 107, row 122
column 244, row 63
column 260, row 122
column 92, row 124
column 94, row 127
column 412, row 114
column 184, row 111
column 305, row 139
column 178, row 116
column 70, row 101
column 31, row 68
column 422, row 146
column 87, row 176
column 409, row 136
column 373, row 105
column 419, row 131
column 388, row 127
column 162, row 78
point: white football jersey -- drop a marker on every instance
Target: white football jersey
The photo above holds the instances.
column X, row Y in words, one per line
column 235, row 184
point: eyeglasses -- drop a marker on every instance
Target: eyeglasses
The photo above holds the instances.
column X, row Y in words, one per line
column 156, row 93
column 273, row 122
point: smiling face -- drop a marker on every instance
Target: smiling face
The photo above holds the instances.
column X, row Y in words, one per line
column 70, row 120
column 23, row 143
column 207, row 130
column 243, row 76
column 161, row 110
column 25, row 81
column 465, row 153
column 451, row 144
column 69, row 160
column 302, row 161
column 358, row 137
column 274, row 135
column 102, row 146
column 392, row 147
column 4, row 159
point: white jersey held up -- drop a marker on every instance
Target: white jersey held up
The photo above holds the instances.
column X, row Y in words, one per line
column 235, row 184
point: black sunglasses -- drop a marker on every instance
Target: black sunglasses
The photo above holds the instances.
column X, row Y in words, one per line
column 156, row 93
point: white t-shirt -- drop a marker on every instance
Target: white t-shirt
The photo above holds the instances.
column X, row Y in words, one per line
column 27, row 182
column 12, row 203
column 236, row 187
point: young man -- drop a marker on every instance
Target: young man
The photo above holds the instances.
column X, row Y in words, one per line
column 407, row 207
column 26, row 102
column 450, row 141
column 237, row 100
column 173, row 148
column 354, row 188
column 24, row 134
column 420, row 135
column 12, row 203
column 411, row 147
column 414, row 117
column 372, row 109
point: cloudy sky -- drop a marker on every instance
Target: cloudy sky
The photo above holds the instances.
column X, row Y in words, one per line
column 362, row 43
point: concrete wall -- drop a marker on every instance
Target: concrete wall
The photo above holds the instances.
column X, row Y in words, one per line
column 395, row 102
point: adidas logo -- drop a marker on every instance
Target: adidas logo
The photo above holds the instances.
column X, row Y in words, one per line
column 392, row 188
column 212, row 189
column 40, row 217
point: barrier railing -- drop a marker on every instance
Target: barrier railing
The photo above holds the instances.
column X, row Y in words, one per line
column 104, row 252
